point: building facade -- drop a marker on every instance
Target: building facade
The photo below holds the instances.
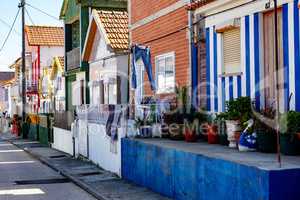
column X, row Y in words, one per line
column 76, row 16
column 163, row 27
column 240, row 53
column 42, row 44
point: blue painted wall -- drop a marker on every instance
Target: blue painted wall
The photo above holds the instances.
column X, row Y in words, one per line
column 182, row 175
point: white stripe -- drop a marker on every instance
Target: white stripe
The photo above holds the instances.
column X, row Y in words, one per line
column 261, row 62
column 212, row 92
column 235, row 87
column 243, row 56
column 291, row 54
column 252, row 70
column 227, row 89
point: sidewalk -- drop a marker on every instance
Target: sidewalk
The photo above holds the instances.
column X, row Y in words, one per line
column 99, row 183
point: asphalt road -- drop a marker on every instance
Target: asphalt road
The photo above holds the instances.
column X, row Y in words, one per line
column 24, row 178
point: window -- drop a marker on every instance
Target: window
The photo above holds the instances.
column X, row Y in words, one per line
column 165, row 73
column 232, row 51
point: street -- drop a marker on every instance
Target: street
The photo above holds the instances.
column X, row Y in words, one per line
column 25, row 178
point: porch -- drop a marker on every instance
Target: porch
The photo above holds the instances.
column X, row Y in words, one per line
column 183, row 170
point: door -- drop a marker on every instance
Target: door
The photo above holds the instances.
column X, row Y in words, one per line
column 269, row 60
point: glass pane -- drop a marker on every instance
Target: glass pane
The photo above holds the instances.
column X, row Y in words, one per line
column 169, row 64
column 170, row 83
column 161, row 81
column 161, row 66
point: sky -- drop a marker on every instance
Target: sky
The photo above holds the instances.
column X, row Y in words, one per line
column 8, row 11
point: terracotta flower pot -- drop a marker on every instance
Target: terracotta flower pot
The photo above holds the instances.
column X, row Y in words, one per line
column 190, row 136
column 298, row 136
column 212, row 134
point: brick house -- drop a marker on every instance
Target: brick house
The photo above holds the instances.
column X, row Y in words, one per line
column 162, row 26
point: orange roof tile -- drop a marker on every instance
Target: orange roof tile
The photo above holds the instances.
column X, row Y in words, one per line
column 45, row 35
column 115, row 24
column 61, row 61
column 198, row 3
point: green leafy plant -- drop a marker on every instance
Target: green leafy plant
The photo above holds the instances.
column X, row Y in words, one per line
column 290, row 122
column 238, row 109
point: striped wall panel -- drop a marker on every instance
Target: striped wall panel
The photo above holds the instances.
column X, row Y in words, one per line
column 251, row 81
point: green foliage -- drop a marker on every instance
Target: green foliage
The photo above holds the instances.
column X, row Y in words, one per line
column 290, row 122
column 239, row 109
column 182, row 97
column 260, row 121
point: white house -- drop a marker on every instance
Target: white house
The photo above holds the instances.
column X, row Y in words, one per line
column 240, row 52
column 106, row 50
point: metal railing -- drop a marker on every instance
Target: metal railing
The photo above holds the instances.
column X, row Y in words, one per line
column 63, row 120
column 73, row 59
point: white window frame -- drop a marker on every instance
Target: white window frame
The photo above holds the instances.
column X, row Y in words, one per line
column 164, row 56
column 225, row 72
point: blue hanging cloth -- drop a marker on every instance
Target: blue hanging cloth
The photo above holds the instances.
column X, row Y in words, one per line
column 143, row 53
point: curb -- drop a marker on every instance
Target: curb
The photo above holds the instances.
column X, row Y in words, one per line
column 73, row 179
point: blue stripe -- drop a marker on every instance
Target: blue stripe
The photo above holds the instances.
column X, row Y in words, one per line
column 215, row 72
column 256, row 60
column 297, row 55
column 230, row 87
column 195, row 75
column 285, row 32
column 207, row 70
column 247, row 51
column 239, row 86
column 223, row 94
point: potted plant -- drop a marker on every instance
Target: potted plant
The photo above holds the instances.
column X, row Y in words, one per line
column 265, row 132
column 222, row 132
column 144, row 127
column 180, row 116
column 289, row 127
column 238, row 112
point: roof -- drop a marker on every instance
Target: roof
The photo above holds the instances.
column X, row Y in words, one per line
column 57, row 65
column 61, row 61
column 198, row 3
column 5, row 76
column 113, row 25
column 45, row 35
column 16, row 64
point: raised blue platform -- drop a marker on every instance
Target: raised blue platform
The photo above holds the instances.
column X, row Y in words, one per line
column 187, row 171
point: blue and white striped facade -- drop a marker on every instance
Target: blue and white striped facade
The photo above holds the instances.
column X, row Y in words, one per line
column 250, row 82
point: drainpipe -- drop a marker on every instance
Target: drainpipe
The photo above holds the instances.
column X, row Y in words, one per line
column 191, row 43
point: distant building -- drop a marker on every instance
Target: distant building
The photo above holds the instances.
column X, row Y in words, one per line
column 43, row 43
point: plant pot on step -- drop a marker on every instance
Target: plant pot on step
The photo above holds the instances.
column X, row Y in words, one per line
column 212, row 134
column 176, row 131
column 145, row 131
column 165, row 131
column 156, row 131
column 189, row 135
column 298, row 136
column 266, row 141
column 289, row 144
column 233, row 127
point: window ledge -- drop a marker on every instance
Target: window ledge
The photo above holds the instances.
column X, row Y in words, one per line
column 231, row 74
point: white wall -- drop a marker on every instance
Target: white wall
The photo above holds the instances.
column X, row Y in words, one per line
column 62, row 140
column 48, row 53
column 102, row 150
column 122, row 62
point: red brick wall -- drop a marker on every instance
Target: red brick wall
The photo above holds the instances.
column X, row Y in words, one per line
column 144, row 8
column 177, row 42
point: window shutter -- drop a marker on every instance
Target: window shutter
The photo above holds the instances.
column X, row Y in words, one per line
column 232, row 50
